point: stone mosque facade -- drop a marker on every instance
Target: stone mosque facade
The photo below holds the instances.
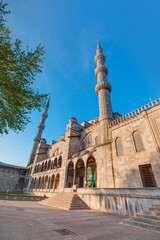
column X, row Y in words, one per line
column 108, row 153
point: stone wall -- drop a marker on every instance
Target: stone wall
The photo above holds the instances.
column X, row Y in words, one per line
column 8, row 179
column 121, row 201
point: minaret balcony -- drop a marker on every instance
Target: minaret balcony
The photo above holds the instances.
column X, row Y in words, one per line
column 101, row 68
column 104, row 85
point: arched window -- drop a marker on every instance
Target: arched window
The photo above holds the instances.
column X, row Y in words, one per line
column 119, row 147
column 138, row 141
column 60, row 162
column 55, row 163
column 70, row 175
column 91, row 172
column 57, row 181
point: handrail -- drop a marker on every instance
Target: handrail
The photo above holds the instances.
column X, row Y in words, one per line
column 134, row 113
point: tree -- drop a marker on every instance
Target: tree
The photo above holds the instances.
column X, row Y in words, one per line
column 18, row 69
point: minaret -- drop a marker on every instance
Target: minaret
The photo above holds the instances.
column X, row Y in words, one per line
column 37, row 138
column 103, row 87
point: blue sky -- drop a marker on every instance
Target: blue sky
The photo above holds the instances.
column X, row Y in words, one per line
column 129, row 34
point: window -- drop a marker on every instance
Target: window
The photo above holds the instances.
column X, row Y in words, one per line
column 147, row 175
column 119, row 147
column 138, row 141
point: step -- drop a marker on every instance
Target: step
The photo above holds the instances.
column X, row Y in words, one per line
column 148, row 216
column 156, row 213
column 146, row 220
column 66, row 201
column 140, row 224
column 154, row 209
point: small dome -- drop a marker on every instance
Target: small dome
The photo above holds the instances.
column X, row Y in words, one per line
column 74, row 120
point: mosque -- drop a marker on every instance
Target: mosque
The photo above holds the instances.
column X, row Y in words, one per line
column 110, row 154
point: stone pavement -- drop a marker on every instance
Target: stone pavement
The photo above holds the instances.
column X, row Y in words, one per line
column 34, row 221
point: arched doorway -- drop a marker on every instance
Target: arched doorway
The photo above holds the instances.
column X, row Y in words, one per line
column 80, row 172
column 57, row 181
column 91, row 172
column 70, row 175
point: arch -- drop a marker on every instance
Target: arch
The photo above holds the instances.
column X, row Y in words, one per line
column 138, row 143
column 60, row 162
column 46, row 182
column 42, row 183
column 42, row 168
column 49, row 182
column 91, row 172
column 70, row 174
column 45, row 166
column 32, row 183
column 57, row 181
column 119, row 147
column 56, row 152
column 39, row 182
column 80, row 173
column 52, row 182
column 52, row 164
column 38, row 166
column 87, row 141
column 49, row 165
column 35, row 169
column 36, row 183
column 55, row 163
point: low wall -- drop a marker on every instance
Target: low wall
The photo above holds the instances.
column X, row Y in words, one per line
column 121, row 201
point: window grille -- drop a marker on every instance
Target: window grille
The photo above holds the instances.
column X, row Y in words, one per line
column 119, row 147
column 147, row 175
column 138, row 141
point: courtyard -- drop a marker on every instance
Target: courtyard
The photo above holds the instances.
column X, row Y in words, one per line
column 20, row 220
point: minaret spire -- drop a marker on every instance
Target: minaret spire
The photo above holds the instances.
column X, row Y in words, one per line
column 103, row 87
column 37, row 138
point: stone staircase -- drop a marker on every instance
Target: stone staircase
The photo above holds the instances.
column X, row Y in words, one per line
column 148, row 219
column 68, row 201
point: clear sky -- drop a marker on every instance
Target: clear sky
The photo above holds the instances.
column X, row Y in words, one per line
column 129, row 33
